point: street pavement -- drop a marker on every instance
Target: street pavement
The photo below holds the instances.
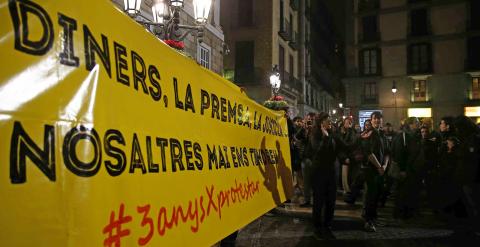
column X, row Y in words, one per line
column 290, row 225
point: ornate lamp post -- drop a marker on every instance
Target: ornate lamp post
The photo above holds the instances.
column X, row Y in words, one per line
column 166, row 17
column 275, row 81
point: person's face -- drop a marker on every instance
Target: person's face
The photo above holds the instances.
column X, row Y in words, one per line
column 347, row 124
column 376, row 122
column 298, row 122
column 389, row 129
column 443, row 126
column 424, row 133
column 327, row 124
column 308, row 121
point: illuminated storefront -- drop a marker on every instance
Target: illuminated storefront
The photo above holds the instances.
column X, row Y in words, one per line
column 420, row 112
column 473, row 112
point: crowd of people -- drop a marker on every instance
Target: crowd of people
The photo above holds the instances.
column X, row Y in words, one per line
column 413, row 166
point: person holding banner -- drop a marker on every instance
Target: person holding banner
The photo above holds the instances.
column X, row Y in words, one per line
column 322, row 149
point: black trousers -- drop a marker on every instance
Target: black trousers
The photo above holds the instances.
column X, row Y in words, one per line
column 324, row 196
column 374, row 188
column 357, row 185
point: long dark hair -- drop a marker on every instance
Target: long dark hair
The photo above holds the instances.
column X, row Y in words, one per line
column 465, row 127
column 317, row 125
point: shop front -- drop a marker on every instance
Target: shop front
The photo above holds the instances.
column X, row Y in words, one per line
column 473, row 112
column 420, row 113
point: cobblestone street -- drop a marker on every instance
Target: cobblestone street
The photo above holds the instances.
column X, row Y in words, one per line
column 291, row 226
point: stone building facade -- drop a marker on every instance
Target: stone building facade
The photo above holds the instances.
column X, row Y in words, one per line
column 261, row 34
column 428, row 49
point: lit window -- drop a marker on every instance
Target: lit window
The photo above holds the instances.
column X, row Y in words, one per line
column 203, row 55
column 420, row 90
column 476, row 88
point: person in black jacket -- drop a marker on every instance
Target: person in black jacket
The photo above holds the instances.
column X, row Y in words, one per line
column 412, row 164
column 377, row 157
column 359, row 159
column 348, row 135
column 323, row 149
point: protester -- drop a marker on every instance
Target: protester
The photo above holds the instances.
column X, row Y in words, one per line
column 298, row 149
column 349, row 137
column 359, row 174
column 409, row 155
column 306, row 161
column 377, row 157
column 323, row 149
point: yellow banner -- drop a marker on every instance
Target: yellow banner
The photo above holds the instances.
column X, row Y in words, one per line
column 109, row 137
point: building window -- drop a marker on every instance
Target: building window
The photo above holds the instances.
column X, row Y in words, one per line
column 475, row 88
column 364, row 5
column 419, row 22
column 281, row 62
column 203, row 55
column 370, row 61
column 370, row 93
column 307, row 92
column 473, row 57
column 417, row 1
column 474, row 15
column 244, row 62
column 420, row 58
column 312, row 95
column 212, row 14
column 245, row 13
column 369, row 28
column 282, row 27
column 419, row 91
column 290, row 68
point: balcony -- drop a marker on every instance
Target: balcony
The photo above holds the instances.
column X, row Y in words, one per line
column 248, row 76
column 473, row 95
column 294, row 42
column 295, row 4
column 368, row 37
column 368, row 5
column 285, row 31
column 370, row 99
column 291, row 82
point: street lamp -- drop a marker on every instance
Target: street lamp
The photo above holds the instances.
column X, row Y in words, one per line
column 275, row 81
column 394, row 88
column 394, row 91
column 340, row 105
column 166, row 17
